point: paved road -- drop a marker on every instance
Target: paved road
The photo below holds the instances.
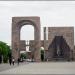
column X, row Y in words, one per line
column 7, row 66
column 43, row 68
column 4, row 67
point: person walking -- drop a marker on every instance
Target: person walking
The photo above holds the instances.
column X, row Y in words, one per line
column 13, row 60
column 18, row 60
column 10, row 61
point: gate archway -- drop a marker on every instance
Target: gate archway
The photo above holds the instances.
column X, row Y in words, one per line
column 17, row 23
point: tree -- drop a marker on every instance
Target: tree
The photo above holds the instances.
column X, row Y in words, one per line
column 4, row 51
column 0, row 55
column 23, row 55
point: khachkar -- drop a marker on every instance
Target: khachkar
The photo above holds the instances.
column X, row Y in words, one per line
column 17, row 23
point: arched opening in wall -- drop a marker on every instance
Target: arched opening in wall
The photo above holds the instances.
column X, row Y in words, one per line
column 59, row 49
column 42, row 51
column 26, row 35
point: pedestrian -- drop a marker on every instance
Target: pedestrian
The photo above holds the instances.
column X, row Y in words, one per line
column 10, row 61
column 13, row 61
column 18, row 60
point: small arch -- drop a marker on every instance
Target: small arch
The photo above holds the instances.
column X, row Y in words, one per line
column 42, row 52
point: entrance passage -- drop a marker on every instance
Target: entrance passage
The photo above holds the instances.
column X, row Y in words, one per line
column 58, row 52
column 59, row 49
column 42, row 52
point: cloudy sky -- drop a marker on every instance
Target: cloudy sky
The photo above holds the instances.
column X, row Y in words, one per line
column 51, row 13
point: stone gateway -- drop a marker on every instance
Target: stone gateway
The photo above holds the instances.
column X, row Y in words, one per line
column 17, row 23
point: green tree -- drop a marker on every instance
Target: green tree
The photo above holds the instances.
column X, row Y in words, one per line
column 4, row 51
column 23, row 55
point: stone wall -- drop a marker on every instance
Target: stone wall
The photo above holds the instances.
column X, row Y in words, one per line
column 66, row 32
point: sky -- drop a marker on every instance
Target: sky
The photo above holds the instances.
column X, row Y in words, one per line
column 51, row 13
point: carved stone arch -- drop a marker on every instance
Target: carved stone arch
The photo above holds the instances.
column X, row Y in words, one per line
column 17, row 23
column 26, row 22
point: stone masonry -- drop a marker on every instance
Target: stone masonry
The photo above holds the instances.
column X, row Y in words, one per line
column 17, row 23
column 58, row 41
